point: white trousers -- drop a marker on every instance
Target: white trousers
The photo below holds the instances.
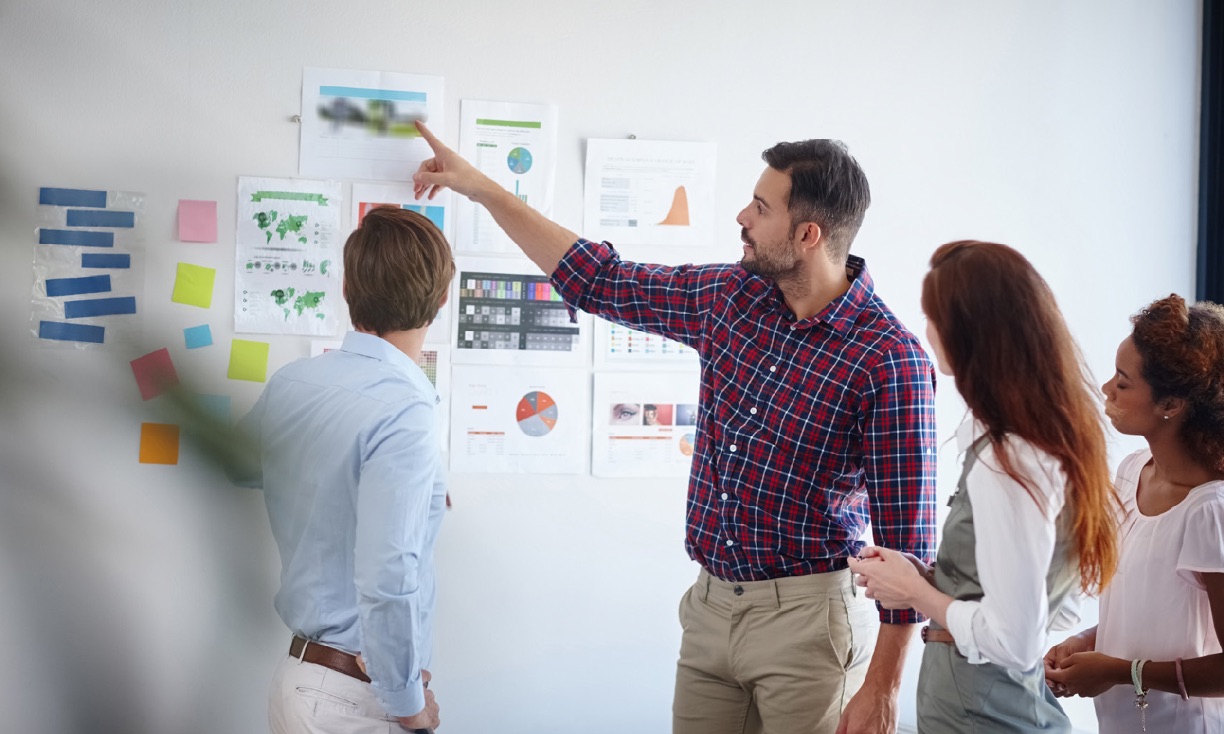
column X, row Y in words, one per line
column 309, row 699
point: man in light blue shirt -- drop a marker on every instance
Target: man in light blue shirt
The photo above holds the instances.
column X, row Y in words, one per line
column 354, row 485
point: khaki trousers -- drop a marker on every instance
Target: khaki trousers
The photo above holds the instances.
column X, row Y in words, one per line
column 305, row 698
column 771, row 657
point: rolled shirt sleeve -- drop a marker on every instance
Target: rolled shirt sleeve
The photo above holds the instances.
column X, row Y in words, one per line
column 899, row 440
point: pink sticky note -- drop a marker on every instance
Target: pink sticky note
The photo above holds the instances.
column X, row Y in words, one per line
column 197, row 220
column 154, row 373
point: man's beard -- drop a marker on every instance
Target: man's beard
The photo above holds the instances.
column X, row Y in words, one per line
column 772, row 266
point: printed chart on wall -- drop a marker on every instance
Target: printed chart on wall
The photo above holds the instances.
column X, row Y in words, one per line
column 360, row 124
column 507, row 312
column 649, row 192
column 529, row 421
column 516, row 146
column 644, row 425
column 621, row 348
column 288, row 257
column 368, row 196
column 87, row 268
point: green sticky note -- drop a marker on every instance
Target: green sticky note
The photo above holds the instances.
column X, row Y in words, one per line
column 193, row 285
column 248, row 361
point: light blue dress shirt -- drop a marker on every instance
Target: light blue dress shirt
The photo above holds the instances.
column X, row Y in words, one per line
column 355, row 490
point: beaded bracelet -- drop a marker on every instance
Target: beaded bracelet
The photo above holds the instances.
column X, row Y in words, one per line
column 1140, row 693
column 1181, row 682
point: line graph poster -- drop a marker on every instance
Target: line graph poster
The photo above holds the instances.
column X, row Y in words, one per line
column 360, row 124
column 515, row 145
column 644, row 424
column 288, row 257
column 511, row 420
column 649, row 192
column 366, row 196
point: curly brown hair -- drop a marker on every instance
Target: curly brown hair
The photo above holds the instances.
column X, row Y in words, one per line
column 1182, row 348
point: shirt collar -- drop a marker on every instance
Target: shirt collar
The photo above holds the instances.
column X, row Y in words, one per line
column 375, row 347
column 969, row 431
column 842, row 312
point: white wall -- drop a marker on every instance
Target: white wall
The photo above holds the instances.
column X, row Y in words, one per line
column 1065, row 129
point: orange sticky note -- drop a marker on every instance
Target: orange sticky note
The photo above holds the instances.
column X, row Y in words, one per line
column 159, row 443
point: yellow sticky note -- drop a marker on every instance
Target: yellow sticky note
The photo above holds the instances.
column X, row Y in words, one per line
column 159, row 443
column 193, row 285
column 248, row 360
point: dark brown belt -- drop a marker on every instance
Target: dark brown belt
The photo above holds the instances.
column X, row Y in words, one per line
column 935, row 634
column 329, row 657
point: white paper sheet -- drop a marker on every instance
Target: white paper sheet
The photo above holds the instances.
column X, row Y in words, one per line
column 438, row 211
column 511, row 420
column 649, row 192
column 359, row 124
column 621, row 348
column 507, row 312
column 644, row 425
column 516, row 146
column 287, row 270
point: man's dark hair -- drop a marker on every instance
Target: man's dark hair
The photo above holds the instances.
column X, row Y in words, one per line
column 827, row 187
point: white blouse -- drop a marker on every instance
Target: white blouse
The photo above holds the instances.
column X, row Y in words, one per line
column 1015, row 545
column 1156, row 607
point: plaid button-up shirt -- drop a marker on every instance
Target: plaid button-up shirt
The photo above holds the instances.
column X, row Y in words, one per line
column 807, row 431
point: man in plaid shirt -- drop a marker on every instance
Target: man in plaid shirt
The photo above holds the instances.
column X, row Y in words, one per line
column 817, row 418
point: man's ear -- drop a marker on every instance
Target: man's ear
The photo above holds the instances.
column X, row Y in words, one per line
column 809, row 236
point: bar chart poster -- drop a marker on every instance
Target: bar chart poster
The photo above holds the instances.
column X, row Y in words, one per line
column 515, row 145
column 507, row 312
column 520, row 420
column 361, row 124
column 649, row 192
column 644, row 424
column 88, row 275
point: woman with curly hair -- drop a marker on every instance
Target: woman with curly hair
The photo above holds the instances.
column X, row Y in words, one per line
column 1154, row 662
column 1033, row 517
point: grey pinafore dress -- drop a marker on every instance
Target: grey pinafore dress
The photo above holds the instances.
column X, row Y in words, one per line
column 955, row 696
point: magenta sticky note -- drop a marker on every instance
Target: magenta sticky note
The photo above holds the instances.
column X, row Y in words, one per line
column 155, row 373
column 197, row 220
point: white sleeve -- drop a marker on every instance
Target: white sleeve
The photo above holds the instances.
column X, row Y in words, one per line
column 1202, row 548
column 1015, row 542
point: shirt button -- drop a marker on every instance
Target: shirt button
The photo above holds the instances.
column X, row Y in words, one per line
column 752, row 411
column 730, row 542
column 732, row 449
column 739, row 590
column 773, row 368
column 724, row 495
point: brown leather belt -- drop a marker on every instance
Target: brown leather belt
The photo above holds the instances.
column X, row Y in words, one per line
column 935, row 634
column 329, row 657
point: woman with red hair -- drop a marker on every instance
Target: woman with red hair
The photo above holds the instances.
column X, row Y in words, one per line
column 1154, row 661
column 1033, row 516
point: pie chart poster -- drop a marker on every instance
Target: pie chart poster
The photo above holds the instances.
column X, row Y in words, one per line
column 529, row 420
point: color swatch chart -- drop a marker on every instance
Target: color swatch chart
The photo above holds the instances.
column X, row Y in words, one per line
column 513, row 312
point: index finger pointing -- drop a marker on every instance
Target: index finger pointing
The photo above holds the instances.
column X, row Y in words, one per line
column 430, row 138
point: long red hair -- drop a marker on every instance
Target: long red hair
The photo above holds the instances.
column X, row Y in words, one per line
column 1021, row 373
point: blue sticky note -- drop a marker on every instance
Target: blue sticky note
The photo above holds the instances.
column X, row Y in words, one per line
column 216, row 406
column 78, row 237
column 108, row 218
column 99, row 307
column 75, row 286
column 198, row 336
column 105, row 260
column 60, row 331
column 72, row 197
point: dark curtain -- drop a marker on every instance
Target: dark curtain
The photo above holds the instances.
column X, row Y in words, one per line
column 1210, row 271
